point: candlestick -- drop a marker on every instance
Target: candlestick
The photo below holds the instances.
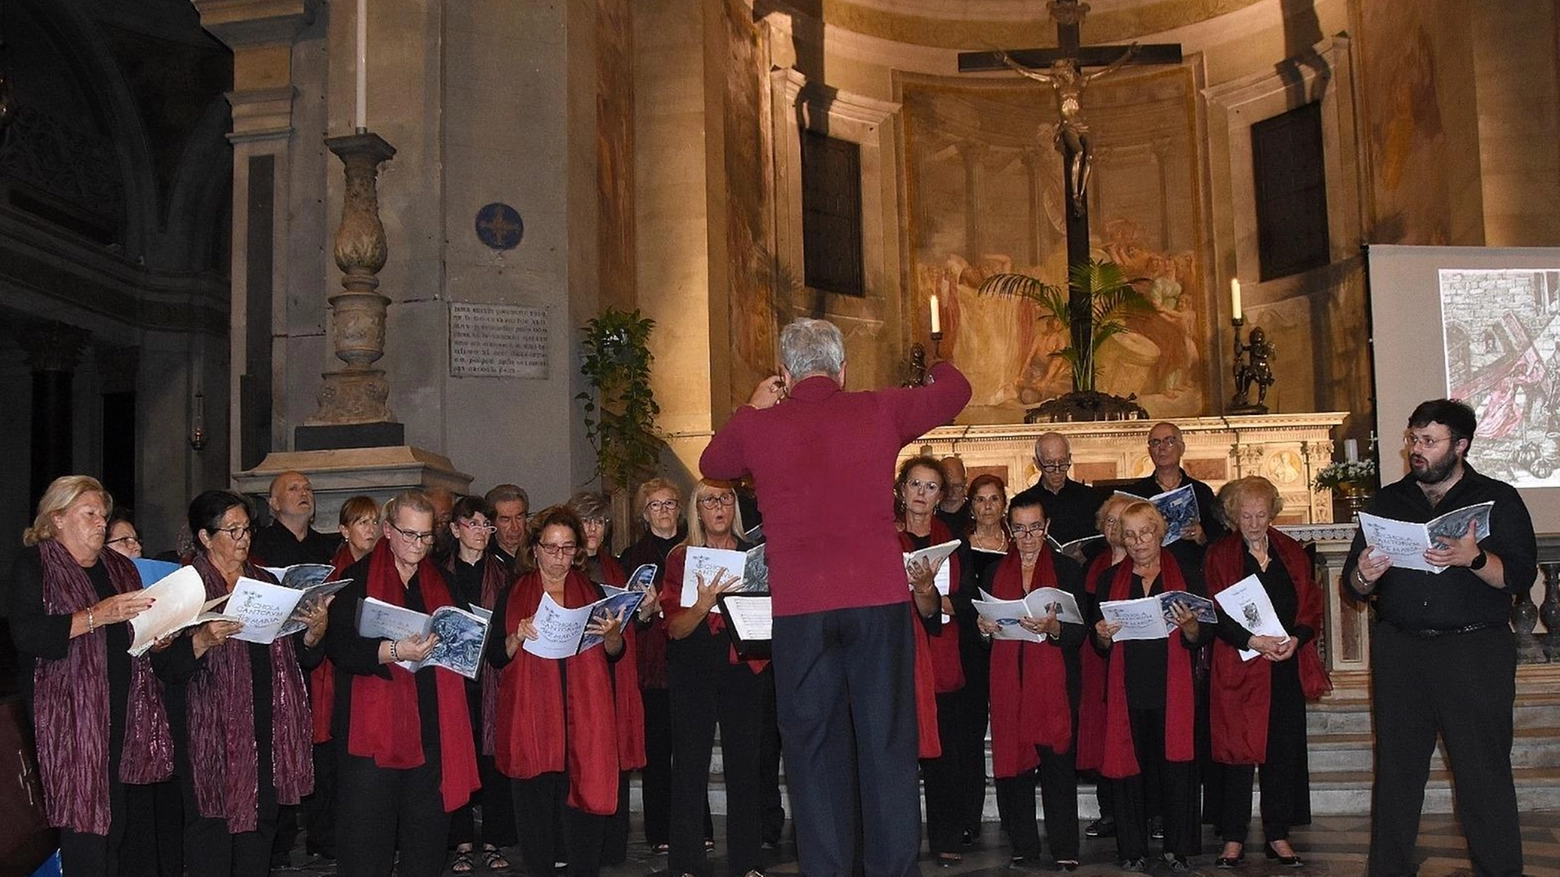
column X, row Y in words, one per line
column 936, row 316
column 360, row 108
column 1235, row 299
column 1351, row 450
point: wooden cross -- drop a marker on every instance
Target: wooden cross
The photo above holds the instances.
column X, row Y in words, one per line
column 1062, row 69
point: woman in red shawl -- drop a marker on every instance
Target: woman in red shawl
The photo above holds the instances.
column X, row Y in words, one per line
column 1257, row 707
column 97, row 711
column 238, row 710
column 1034, row 694
column 919, row 490
column 709, row 683
column 405, row 758
column 1091, row 699
column 1149, row 707
column 479, row 577
column 557, row 734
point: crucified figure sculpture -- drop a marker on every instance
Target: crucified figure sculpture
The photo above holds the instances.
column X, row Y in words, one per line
column 1067, row 82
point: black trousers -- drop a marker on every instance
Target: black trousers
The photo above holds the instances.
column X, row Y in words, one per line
column 384, row 810
column 86, row 853
column 541, row 807
column 846, row 705
column 1057, row 777
column 940, row 776
column 211, row 851
column 769, row 768
column 614, row 839
column 974, row 711
column 705, row 693
column 319, row 806
column 1461, row 687
column 498, row 814
column 656, row 778
column 1284, row 775
column 153, row 832
column 1172, row 785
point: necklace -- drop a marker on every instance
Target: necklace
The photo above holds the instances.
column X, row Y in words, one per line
column 992, row 542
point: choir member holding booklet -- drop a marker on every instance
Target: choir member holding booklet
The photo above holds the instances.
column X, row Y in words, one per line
column 238, row 710
column 709, row 683
column 97, row 711
column 404, row 742
column 1091, row 701
column 1034, row 695
column 1257, row 706
column 1149, row 703
column 558, row 728
column 919, row 488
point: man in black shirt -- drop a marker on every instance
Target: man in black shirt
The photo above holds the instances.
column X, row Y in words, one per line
column 954, row 510
column 1069, row 505
column 289, row 539
column 1165, row 447
column 1443, row 660
column 510, row 504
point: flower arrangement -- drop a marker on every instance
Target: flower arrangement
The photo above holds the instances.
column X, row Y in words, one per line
column 1351, row 472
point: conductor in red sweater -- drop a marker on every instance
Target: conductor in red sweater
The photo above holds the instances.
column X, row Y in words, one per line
column 822, row 461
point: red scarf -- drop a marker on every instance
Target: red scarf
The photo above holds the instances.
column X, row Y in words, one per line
column 930, row 745
column 1240, row 692
column 1091, row 700
column 322, row 679
column 1120, row 757
column 671, row 602
column 625, row 680
column 223, row 750
column 384, row 722
column 70, row 700
column 947, row 666
column 543, row 728
column 1029, row 705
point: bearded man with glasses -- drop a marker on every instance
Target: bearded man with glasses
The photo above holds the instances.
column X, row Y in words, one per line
column 1443, row 660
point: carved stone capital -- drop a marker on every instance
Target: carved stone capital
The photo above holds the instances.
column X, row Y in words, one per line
column 352, row 396
column 52, row 346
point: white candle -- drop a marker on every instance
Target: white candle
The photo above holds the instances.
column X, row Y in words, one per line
column 360, row 108
column 1235, row 298
column 936, row 316
column 1351, row 450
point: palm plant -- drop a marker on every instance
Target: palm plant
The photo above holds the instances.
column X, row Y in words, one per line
column 1095, row 306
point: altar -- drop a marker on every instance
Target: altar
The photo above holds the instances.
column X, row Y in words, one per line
column 1287, row 449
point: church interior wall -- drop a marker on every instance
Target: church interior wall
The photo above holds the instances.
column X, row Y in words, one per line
column 1515, row 61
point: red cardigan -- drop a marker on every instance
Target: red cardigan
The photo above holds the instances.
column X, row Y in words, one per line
column 1240, row 692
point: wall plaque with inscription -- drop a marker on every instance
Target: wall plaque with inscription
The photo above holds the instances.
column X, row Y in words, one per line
column 497, row 341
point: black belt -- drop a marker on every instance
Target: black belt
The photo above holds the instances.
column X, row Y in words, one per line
column 1432, row 632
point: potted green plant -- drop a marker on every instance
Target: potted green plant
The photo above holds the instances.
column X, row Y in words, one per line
column 620, row 407
column 1109, row 298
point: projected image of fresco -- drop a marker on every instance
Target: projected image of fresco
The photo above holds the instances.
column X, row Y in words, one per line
column 1501, row 329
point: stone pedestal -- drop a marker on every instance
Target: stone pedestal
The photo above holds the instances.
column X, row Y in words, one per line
column 339, row 475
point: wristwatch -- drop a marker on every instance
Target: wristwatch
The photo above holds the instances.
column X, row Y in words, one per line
column 1479, row 562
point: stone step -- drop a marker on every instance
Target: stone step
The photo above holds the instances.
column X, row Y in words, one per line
column 1532, row 747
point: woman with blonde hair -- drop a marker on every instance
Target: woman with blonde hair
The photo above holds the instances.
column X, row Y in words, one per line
column 97, row 712
column 1257, row 707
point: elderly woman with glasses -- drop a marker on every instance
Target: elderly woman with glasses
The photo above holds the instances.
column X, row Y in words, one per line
column 558, row 729
column 918, row 490
column 1034, row 695
column 404, row 741
column 238, row 710
column 1150, row 710
column 709, row 682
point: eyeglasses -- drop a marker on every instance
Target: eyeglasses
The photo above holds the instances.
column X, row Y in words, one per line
column 477, row 528
column 134, row 539
column 1165, row 442
column 1134, row 536
column 1019, row 530
column 414, row 536
column 1057, row 466
column 926, row 486
column 235, row 533
column 559, row 550
column 662, row 505
column 1422, row 441
column 716, row 500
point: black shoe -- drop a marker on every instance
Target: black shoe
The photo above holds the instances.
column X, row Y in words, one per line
column 1101, row 827
column 1230, row 861
column 969, row 836
column 1066, row 865
column 1177, row 862
column 1138, row 865
column 1287, row 861
column 1156, row 827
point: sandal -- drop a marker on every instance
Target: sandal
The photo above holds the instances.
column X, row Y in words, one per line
column 660, row 849
column 462, row 863
column 493, row 859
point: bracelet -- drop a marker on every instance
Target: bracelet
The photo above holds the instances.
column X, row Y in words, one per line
column 91, row 625
column 393, row 656
column 1360, row 577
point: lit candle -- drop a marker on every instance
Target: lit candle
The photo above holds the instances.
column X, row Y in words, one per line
column 1235, row 297
column 936, row 316
column 360, row 109
column 1351, row 450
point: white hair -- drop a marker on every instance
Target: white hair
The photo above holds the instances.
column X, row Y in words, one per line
column 811, row 347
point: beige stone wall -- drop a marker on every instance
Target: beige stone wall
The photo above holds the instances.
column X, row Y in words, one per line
column 1518, row 94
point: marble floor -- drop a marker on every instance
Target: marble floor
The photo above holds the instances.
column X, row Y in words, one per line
column 1333, row 845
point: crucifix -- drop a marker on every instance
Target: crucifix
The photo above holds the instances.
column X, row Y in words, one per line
column 1062, row 68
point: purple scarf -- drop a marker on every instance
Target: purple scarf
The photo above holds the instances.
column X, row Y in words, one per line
column 70, row 705
column 222, row 745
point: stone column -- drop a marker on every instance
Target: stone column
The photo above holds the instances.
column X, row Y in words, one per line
column 53, row 351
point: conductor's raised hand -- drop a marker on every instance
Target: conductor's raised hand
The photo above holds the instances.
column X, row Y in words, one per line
column 1461, row 551
column 768, row 393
